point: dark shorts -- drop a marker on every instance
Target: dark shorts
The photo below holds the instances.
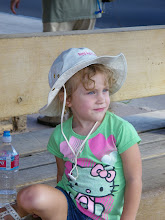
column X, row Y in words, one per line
column 73, row 212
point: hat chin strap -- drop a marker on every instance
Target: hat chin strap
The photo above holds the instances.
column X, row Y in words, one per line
column 81, row 146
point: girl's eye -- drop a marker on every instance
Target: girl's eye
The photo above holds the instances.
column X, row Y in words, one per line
column 105, row 90
column 91, row 92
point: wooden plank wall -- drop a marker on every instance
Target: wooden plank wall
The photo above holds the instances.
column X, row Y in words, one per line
column 25, row 61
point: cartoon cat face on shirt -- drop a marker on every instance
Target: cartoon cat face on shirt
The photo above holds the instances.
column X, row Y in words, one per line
column 97, row 181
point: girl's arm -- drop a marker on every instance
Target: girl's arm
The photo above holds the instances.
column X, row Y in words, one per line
column 133, row 175
column 60, row 168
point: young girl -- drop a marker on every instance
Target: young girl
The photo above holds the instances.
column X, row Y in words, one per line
column 98, row 160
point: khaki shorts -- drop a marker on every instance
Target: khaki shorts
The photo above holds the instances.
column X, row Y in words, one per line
column 85, row 24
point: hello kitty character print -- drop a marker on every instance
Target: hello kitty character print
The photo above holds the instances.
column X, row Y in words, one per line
column 95, row 184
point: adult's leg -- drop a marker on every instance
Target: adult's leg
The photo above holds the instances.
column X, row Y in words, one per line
column 82, row 24
column 58, row 26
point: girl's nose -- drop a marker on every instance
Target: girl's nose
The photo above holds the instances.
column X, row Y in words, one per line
column 100, row 98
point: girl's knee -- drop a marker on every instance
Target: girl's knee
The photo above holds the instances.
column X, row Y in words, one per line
column 39, row 198
column 31, row 197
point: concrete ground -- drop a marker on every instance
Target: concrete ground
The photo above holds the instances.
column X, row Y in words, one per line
column 16, row 24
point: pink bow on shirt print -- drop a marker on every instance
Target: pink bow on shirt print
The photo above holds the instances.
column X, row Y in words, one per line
column 99, row 170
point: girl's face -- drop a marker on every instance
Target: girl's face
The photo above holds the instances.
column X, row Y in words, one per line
column 90, row 105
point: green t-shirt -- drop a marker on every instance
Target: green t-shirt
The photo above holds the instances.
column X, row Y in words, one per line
column 98, row 192
column 70, row 10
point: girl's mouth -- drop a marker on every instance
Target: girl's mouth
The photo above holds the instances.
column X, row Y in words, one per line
column 99, row 109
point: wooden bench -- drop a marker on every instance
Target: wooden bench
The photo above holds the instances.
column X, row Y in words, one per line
column 25, row 61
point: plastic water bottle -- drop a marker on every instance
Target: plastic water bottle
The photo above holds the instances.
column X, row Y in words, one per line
column 9, row 165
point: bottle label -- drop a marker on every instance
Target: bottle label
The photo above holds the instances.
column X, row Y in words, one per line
column 9, row 163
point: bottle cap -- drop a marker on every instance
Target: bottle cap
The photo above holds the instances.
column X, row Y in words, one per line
column 6, row 137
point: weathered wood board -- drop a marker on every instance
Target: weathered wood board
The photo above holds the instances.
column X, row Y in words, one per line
column 153, row 174
column 31, row 142
column 25, row 61
column 152, row 136
column 40, row 174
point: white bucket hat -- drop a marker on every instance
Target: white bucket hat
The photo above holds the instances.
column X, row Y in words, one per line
column 70, row 62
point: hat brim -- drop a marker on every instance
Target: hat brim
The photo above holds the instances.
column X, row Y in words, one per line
column 117, row 63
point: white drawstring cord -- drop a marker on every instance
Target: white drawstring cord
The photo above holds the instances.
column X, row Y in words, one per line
column 81, row 146
column 62, row 116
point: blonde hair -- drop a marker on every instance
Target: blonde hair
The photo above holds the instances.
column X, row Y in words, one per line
column 84, row 76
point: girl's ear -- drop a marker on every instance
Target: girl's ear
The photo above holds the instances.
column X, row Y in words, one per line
column 68, row 102
column 61, row 98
